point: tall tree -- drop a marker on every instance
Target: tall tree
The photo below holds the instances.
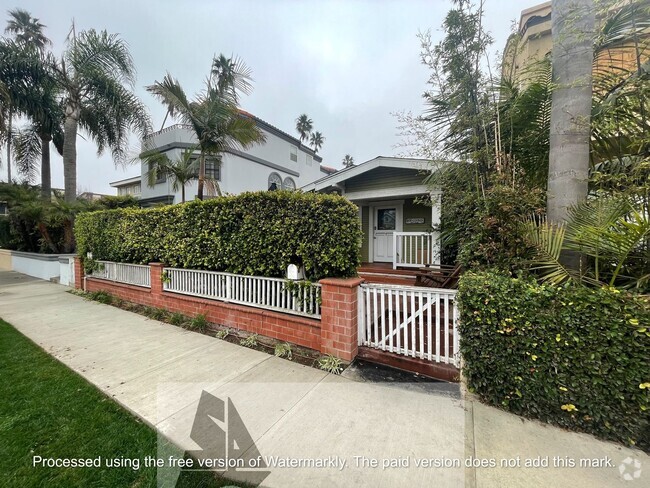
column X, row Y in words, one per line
column 573, row 24
column 219, row 126
column 348, row 161
column 96, row 74
column 317, row 141
column 29, row 38
column 304, row 125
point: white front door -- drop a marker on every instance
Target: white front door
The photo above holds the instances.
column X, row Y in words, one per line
column 386, row 222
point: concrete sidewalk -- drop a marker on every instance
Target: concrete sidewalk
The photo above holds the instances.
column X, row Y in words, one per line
column 158, row 372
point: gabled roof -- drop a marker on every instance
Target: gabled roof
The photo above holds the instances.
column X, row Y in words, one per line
column 378, row 162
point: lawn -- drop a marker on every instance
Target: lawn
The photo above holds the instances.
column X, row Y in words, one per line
column 48, row 410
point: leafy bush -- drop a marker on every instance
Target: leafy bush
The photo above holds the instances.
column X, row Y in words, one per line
column 252, row 233
column 572, row 356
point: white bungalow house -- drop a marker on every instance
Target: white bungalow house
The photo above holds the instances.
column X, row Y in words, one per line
column 397, row 228
column 280, row 162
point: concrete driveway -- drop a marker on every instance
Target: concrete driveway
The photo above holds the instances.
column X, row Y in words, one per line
column 318, row 429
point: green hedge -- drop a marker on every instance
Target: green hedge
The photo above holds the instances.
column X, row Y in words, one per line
column 252, row 233
column 572, row 356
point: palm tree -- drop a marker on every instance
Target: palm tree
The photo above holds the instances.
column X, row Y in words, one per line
column 348, row 161
column 317, row 141
column 27, row 30
column 213, row 114
column 304, row 125
column 180, row 171
column 572, row 57
column 96, row 73
column 28, row 36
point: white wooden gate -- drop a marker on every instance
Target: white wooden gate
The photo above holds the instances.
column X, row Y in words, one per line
column 412, row 321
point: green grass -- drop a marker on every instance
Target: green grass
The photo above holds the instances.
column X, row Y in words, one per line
column 48, row 410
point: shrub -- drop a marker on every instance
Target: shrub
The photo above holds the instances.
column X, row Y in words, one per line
column 177, row 319
column 252, row 233
column 572, row 356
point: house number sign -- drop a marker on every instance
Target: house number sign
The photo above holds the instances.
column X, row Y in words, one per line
column 415, row 220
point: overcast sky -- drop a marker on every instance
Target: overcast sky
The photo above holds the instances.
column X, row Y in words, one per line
column 347, row 64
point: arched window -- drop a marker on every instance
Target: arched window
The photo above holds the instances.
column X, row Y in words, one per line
column 288, row 184
column 275, row 181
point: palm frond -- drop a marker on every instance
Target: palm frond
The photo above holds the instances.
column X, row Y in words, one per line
column 27, row 153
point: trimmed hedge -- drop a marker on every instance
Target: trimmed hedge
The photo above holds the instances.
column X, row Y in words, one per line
column 571, row 356
column 258, row 233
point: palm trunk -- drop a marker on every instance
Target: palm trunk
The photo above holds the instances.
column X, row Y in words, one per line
column 201, row 176
column 70, row 152
column 46, row 177
column 9, row 146
column 572, row 31
column 183, row 193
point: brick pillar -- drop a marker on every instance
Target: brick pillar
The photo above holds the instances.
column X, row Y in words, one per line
column 156, row 279
column 339, row 317
column 78, row 273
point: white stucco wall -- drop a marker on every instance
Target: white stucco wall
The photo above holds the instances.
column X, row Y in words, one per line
column 238, row 174
column 44, row 266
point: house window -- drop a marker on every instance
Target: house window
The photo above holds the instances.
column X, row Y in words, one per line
column 309, row 159
column 213, row 169
column 288, row 184
column 294, row 154
column 275, row 182
column 160, row 176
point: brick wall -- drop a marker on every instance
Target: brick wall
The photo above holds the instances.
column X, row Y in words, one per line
column 335, row 333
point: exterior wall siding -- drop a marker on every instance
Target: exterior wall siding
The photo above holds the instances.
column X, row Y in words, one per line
column 384, row 178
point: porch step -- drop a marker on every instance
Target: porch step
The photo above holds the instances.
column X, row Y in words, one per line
column 388, row 279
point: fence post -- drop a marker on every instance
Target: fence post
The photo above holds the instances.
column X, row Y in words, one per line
column 156, row 270
column 339, row 317
column 78, row 273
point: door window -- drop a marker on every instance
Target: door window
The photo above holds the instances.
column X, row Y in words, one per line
column 386, row 218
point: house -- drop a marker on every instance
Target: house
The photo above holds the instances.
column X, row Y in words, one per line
column 397, row 227
column 281, row 162
column 533, row 42
column 129, row 186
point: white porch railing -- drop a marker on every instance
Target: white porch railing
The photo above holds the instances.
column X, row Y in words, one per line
column 411, row 321
column 254, row 291
column 132, row 274
column 415, row 249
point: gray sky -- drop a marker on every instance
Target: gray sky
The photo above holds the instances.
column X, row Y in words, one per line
column 347, row 64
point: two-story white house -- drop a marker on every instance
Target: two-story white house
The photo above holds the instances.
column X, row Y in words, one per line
column 280, row 162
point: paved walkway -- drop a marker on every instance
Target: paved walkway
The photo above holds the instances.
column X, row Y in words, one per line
column 158, row 372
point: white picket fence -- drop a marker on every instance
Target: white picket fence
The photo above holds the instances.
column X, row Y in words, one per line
column 415, row 249
column 132, row 274
column 254, row 291
column 411, row 321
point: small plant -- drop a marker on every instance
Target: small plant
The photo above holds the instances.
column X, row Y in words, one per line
column 199, row 323
column 331, row 364
column 156, row 313
column 165, row 277
column 283, row 350
column 101, row 297
column 222, row 334
column 250, row 341
column 177, row 319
